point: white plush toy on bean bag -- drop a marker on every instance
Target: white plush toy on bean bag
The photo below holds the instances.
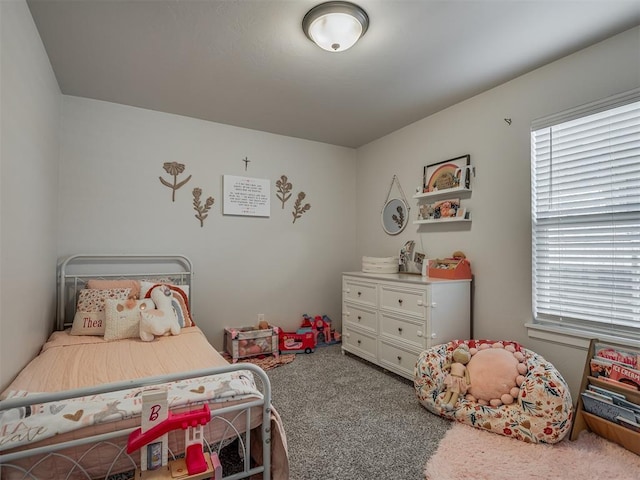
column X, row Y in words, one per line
column 160, row 320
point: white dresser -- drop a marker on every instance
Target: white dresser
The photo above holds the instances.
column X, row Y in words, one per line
column 388, row 319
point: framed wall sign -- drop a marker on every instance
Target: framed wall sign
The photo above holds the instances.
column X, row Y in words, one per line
column 453, row 173
column 246, row 196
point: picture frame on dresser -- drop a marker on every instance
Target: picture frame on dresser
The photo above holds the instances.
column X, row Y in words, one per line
column 447, row 174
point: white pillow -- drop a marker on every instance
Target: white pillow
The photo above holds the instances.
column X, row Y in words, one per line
column 122, row 318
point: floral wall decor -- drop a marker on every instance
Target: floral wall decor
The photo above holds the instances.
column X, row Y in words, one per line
column 284, row 189
column 175, row 169
column 298, row 208
column 198, row 207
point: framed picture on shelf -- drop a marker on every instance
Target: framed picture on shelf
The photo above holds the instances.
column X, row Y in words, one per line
column 447, row 174
column 449, row 208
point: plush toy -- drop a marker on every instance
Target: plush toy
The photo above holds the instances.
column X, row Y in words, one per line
column 162, row 319
column 458, row 380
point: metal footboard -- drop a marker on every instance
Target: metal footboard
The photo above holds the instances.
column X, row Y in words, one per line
column 264, row 403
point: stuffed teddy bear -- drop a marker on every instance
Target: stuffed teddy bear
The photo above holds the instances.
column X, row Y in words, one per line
column 162, row 319
column 458, row 380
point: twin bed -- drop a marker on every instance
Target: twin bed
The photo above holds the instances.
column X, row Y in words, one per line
column 69, row 412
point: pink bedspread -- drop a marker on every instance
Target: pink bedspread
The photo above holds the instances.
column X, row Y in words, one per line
column 68, row 361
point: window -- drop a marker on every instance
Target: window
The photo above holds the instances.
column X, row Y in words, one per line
column 585, row 172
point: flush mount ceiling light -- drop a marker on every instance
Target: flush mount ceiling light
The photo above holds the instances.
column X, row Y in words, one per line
column 335, row 26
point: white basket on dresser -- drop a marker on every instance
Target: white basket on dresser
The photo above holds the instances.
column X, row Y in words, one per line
column 380, row 264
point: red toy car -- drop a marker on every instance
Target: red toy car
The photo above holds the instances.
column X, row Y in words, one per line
column 296, row 342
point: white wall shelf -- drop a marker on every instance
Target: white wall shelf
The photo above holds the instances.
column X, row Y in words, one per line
column 441, row 220
column 448, row 193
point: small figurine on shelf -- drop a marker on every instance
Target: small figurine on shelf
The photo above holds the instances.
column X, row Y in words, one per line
column 426, row 212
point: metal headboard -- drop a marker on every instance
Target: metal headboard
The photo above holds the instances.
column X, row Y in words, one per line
column 74, row 272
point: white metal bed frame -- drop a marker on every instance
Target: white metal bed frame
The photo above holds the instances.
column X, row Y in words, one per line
column 73, row 272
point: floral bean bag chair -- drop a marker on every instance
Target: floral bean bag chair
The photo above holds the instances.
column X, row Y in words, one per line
column 530, row 399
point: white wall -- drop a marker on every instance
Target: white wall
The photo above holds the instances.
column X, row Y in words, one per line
column 112, row 201
column 498, row 241
column 29, row 110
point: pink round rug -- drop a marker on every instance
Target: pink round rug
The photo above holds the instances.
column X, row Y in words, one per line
column 469, row 453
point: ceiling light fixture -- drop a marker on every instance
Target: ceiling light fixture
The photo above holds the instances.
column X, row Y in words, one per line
column 335, row 26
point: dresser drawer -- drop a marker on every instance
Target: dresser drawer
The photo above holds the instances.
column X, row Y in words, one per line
column 360, row 317
column 397, row 359
column 361, row 292
column 360, row 343
column 409, row 332
column 398, row 299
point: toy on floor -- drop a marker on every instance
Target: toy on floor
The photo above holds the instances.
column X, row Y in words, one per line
column 151, row 437
column 320, row 326
column 292, row 342
column 241, row 342
column 457, row 381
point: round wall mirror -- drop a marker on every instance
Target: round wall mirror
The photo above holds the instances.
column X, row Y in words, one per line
column 395, row 216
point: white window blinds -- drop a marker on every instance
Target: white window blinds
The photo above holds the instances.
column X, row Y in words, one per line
column 586, row 217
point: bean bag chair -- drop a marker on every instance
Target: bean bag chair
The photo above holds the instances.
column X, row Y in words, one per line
column 535, row 406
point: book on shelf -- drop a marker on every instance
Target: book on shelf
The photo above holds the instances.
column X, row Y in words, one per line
column 626, row 386
column 622, row 373
column 635, row 426
column 600, row 367
column 626, row 404
column 603, row 407
column 604, row 391
column 617, row 354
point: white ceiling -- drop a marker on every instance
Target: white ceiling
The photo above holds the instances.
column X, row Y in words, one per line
column 248, row 63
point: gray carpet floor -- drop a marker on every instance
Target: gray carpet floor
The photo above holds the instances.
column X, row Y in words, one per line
column 348, row 419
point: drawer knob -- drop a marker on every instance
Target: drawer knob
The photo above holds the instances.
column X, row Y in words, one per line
column 419, row 333
column 400, row 301
column 399, row 358
column 433, row 335
column 420, row 303
column 359, row 318
column 359, row 342
column 359, row 293
column 399, row 329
